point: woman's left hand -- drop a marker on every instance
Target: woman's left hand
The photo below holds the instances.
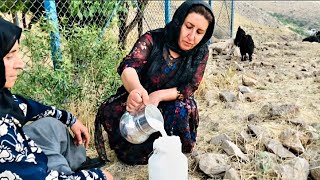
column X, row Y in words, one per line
column 81, row 134
column 154, row 98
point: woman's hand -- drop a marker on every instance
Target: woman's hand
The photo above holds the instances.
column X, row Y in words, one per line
column 81, row 134
column 107, row 174
column 154, row 98
column 137, row 99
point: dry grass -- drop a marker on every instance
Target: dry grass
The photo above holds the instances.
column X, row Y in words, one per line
column 218, row 119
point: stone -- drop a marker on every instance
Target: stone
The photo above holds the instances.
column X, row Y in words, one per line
column 297, row 168
column 291, row 139
column 217, row 140
column 277, row 148
column 248, row 81
column 231, row 174
column 213, row 164
column 232, row 150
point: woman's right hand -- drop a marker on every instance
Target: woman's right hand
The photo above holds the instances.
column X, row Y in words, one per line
column 137, row 99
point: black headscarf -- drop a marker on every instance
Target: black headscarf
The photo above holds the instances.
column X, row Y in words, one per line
column 168, row 38
column 9, row 35
column 172, row 29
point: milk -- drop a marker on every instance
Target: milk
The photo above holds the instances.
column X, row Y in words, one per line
column 167, row 161
column 157, row 125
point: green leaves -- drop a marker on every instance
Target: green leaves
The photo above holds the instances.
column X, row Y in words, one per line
column 13, row 5
column 85, row 8
column 88, row 72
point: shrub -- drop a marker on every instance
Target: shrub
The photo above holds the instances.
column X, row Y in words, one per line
column 87, row 73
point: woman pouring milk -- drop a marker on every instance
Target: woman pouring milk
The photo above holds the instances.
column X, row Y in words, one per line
column 164, row 68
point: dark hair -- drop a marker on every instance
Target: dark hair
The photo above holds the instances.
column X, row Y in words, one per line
column 199, row 9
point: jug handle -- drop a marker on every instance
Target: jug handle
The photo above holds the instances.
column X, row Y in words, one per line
column 130, row 113
column 136, row 112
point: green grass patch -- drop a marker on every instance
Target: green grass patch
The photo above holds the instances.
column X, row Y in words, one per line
column 295, row 25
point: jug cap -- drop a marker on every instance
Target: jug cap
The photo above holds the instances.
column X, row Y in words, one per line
column 167, row 144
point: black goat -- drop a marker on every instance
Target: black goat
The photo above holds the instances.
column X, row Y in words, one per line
column 314, row 38
column 246, row 44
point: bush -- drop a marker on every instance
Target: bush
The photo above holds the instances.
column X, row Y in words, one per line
column 87, row 73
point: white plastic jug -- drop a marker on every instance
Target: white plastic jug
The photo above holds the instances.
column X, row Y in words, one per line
column 167, row 161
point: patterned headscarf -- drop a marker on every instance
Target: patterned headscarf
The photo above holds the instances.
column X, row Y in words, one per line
column 9, row 35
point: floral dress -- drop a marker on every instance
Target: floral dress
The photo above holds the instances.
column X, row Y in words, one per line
column 21, row 158
column 180, row 116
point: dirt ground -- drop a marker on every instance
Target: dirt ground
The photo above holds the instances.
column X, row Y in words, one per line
column 286, row 71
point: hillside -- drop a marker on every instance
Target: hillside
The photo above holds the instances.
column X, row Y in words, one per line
column 276, row 112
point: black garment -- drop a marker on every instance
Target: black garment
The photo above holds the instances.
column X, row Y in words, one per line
column 9, row 35
column 149, row 58
column 185, row 73
column 172, row 29
column 168, row 38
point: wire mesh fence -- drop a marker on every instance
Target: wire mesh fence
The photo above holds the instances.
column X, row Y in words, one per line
column 132, row 17
column 93, row 36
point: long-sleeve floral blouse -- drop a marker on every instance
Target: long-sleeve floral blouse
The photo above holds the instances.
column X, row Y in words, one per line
column 20, row 157
column 156, row 71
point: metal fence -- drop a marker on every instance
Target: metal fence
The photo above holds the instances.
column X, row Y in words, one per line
column 132, row 17
column 87, row 37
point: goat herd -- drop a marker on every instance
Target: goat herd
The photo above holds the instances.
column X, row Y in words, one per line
column 245, row 42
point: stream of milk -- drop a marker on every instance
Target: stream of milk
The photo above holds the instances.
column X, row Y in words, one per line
column 158, row 125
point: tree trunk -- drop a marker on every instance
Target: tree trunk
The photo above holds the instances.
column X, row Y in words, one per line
column 123, row 16
column 125, row 30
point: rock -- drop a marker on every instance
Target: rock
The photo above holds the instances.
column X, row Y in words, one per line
column 291, row 139
column 311, row 153
column 238, row 67
column 244, row 137
column 232, row 149
column 277, row 148
column 315, row 169
column 248, row 81
column 297, row 168
column 213, row 164
column 260, row 132
column 252, row 97
column 312, row 133
column 305, row 138
column 297, row 122
column 244, row 89
column 252, row 117
column 226, row 96
column 285, row 110
column 217, row 140
column 231, row 174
